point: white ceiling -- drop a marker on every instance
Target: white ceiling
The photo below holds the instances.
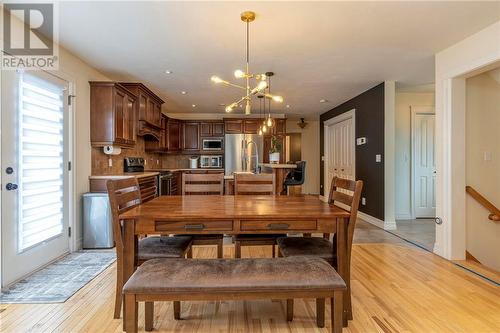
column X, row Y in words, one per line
column 322, row 50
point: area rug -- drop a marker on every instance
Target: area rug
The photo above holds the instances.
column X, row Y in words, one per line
column 60, row 280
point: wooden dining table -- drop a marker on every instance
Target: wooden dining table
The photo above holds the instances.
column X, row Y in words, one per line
column 230, row 214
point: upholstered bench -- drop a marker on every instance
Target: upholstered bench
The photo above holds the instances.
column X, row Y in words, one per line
column 233, row 279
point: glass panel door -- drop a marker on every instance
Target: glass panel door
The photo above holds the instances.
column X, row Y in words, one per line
column 35, row 198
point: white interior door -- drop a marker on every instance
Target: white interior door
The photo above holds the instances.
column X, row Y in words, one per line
column 340, row 150
column 35, row 196
column 424, row 164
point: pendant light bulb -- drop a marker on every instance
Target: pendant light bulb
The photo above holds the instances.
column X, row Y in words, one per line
column 269, row 121
column 264, row 129
column 260, row 130
column 278, row 99
column 262, row 85
column 216, row 79
column 239, row 74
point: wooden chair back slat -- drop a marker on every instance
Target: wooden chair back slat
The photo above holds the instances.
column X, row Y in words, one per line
column 203, row 184
column 351, row 186
column 124, row 194
column 248, row 184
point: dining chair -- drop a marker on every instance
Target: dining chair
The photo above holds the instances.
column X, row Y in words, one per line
column 205, row 184
column 347, row 193
column 124, row 194
column 297, row 176
column 254, row 184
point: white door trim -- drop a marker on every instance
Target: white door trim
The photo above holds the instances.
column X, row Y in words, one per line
column 351, row 114
column 429, row 110
column 470, row 56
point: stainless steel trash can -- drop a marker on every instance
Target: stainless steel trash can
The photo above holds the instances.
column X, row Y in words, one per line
column 97, row 221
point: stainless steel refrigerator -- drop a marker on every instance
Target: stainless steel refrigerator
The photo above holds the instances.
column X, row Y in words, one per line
column 242, row 152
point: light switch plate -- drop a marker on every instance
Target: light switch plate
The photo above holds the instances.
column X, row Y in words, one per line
column 361, row 141
column 378, row 158
column 363, row 201
column 487, row 156
column 110, row 162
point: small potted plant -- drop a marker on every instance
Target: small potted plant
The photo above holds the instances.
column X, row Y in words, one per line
column 274, row 150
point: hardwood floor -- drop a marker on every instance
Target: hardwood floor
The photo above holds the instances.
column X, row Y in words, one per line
column 396, row 288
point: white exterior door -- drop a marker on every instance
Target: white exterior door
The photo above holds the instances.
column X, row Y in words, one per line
column 340, row 150
column 424, row 164
column 35, row 196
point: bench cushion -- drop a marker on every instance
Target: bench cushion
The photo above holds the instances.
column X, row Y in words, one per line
column 205, row 276
column 306, row 246
column 163, row 247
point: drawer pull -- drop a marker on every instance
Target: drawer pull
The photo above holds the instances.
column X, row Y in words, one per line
column 194, row 226
column 278, row 226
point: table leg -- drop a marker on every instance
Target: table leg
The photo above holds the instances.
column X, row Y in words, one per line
column 342, row 262
column 128, row 255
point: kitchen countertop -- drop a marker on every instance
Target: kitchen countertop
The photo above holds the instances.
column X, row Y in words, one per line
column 278, row 166
column 125, row 175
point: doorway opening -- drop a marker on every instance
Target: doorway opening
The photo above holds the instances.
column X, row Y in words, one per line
column 415, row 167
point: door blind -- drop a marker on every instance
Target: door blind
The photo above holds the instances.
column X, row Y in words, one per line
column 41, row 161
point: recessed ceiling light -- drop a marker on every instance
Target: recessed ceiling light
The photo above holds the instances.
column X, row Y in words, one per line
column 193, row 105
column 184, row 92
column 168, row 72
column 288, row 106
column 323, row 101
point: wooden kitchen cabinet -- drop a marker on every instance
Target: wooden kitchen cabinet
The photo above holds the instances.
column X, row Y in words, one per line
column 233, row 126
column 148, row 109
column 162, row 145
column 191, row 136
column 174, row 134
column 279, row 126
column 251, row 126
column 112, row 116
column 211, row 129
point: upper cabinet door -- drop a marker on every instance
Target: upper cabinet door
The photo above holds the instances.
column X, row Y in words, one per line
column 206, row 129
column 279, row 126
column 218, row 129
column 233, row 126
column 251, row 126
column 191, row 136
column 174, row 134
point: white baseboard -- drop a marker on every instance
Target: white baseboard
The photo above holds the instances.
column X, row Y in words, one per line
column 78, row 244
column 370, row 219
column 323, row 198
column 404, row 216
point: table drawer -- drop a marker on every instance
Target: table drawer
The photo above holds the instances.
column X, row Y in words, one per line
column 194, row 226
column 259, row 225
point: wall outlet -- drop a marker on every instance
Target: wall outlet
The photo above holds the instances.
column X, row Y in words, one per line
column 157, row 161
column 378, row 158
column 361, row 141
column 145, row 161
column 110, row 162
column 363, row 201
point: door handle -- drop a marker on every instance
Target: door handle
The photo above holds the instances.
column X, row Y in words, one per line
column 278, row 226
column 194, row 226
column 11, row 187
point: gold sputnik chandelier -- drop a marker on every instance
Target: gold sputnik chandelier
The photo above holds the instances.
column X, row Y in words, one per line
column 261, row 79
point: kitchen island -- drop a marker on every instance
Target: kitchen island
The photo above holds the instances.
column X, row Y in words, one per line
column 280, row 171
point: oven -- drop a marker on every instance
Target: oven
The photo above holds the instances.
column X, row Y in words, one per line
column 212, row 144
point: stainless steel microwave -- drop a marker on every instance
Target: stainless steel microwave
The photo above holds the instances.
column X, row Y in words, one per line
column 212, row 144
column 211, row 161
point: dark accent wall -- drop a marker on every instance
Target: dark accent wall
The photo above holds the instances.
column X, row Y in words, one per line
column 370, row 124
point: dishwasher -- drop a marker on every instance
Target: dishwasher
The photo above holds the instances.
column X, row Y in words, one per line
column 97, row 221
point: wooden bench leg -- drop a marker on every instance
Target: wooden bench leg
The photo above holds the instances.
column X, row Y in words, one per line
column 177, row 310
column 220, row 249
column 337, row 312
column 320, row 312
column 237, row 249
column 130, row 319
column 289, row 309
column 189, row 253
column 149, row 313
